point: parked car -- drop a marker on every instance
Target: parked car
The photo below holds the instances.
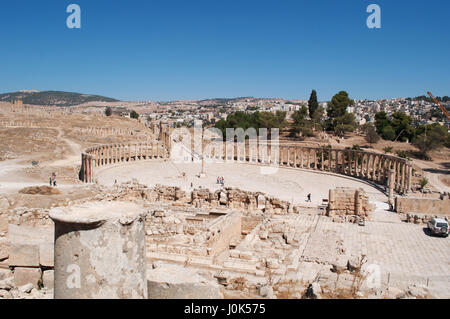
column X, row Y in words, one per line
column 438, row 226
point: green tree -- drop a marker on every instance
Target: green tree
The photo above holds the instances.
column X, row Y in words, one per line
column 313, row 105
column 339, row 120
column 401, row 123
column 134, row 115
column 372, row 136
column 388, row 133
column 431, row 137
column 255, row 120
column 345, row 123
column 108, row 111
column 301, row 124
column 381, row 121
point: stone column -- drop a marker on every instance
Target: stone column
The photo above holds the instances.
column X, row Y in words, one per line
column 330, row 156
column 391, row 185
column 286, row 155
column 408, row 177
column 380, row 168
column 291, row 154
column 322, row 166
column 83, row 168
column 100, row 251
column 337, row 169
column 301, row 157
column 368, row 166
column 88, row 168
column 295, row 157
column 91, row 170
column 397, row 175
column 315, row 158
column 308, row 151
column 336, row 166
column 372, row 168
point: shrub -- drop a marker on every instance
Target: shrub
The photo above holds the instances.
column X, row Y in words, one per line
column 134, row 115
column 423, row 182
column 402, row 154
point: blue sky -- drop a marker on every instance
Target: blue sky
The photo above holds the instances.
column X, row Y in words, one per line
column 195, row 49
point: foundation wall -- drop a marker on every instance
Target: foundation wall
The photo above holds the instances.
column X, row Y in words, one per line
column 422, row 205
column 223, row 230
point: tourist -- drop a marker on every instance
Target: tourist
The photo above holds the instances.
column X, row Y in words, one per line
column 50, row 180
column 309, row 197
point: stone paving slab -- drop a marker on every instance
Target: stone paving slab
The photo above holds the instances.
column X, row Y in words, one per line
column 405, row 252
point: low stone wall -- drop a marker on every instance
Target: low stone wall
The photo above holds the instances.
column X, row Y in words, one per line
column 345, row 201
column 423, row 218
column 223, row 230
column 422, row 206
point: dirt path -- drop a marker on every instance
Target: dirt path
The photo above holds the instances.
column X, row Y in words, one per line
column 433, row 178
column 75, row 149
column 13, row 177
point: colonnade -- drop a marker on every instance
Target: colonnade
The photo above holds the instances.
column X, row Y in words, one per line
column 363, row 165
column 103, row 155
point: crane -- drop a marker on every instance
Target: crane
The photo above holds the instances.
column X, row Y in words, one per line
column 440, row 105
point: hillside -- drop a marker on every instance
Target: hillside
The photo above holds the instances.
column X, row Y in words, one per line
column 56, row 98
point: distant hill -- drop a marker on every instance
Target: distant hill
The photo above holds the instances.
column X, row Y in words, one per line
column 56, row 98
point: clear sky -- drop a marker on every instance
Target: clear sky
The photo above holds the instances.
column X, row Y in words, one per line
column 195, row 49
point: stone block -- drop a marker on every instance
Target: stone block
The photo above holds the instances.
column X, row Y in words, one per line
column 46, row 254
column 48, row 279
column 24, row 255
column 4, row 248
column 3, row 223
column 171, row 282
column 23, row 276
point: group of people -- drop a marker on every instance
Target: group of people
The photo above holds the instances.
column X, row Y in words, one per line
column 220, row 180
column 52, row 180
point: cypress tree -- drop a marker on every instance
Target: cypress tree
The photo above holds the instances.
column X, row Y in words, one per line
column 313, row 105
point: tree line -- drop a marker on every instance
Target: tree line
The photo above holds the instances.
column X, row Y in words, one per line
column 309, row 120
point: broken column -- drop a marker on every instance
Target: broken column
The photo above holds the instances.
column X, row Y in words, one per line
column 100, row 251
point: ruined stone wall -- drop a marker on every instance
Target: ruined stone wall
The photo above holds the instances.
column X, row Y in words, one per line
column 422, row 205
column 345, row 201
column 223, row 231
